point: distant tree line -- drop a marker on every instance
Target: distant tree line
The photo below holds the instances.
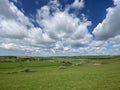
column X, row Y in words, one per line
column 28, row 58
column 22, row 59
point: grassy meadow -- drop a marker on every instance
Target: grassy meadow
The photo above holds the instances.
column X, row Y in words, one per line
column 60, row 73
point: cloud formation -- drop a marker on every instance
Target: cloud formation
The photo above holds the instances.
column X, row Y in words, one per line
column 60, row 32
column 64, row 27
column 78, row 4
column 109, row 27
column 107, row 33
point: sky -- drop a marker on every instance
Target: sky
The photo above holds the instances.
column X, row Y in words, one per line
column 59, row 27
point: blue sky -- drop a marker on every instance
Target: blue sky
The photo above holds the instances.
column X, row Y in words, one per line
column 59, row 27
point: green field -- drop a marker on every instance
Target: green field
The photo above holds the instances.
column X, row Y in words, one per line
column 66, row 73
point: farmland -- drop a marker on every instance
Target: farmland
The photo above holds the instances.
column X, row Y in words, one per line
column 60, row 73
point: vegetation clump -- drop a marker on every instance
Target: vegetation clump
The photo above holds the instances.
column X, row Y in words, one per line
column 66, row 63
column 79, row 64
column 62, row 67
column 26, row 70
column 105, row 62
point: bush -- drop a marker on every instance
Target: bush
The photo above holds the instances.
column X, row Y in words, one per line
column 26, row 70
column 62, row 67
column 66, row 63
column 104, row 62
column 79, row 64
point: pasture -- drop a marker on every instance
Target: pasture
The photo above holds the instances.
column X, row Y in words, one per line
column 60, row 73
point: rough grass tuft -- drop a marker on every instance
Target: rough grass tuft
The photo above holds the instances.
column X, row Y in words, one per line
column 26, row 70
column 62, row 67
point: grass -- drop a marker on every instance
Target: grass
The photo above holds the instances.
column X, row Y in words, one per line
column 46, row 75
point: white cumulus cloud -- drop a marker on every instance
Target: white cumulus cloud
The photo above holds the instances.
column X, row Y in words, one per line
column 64, row 27
column 60, row 32
column 109, row 27
column 78, row 4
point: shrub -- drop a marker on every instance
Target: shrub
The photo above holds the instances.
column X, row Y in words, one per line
column 66, row 63
column 26, row 70
column 62, row 67
column 79, row 64
column 104, row 62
